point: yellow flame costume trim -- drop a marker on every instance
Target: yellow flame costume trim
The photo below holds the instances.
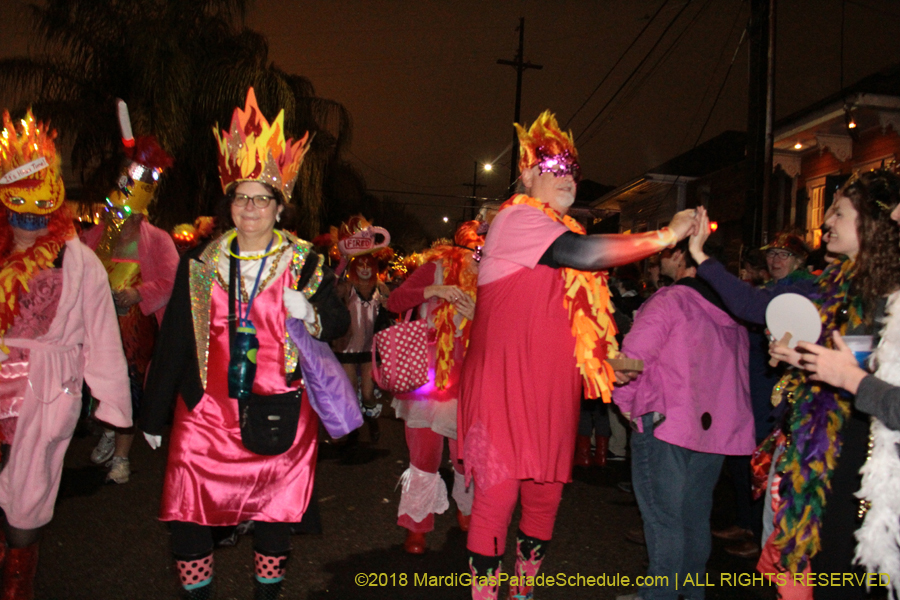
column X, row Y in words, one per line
column 254, row 150
column 588, row 304
column 543, row 133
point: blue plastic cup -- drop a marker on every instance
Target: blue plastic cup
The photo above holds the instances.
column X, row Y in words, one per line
column 861, row 346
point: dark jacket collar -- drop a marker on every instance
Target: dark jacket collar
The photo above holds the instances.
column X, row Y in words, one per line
column 704, row 290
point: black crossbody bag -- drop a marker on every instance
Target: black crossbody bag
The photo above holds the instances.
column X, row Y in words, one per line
column 268, row 423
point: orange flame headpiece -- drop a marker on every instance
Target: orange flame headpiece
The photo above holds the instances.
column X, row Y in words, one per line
column 254, row 150
column 30, row 173
column 543, row 144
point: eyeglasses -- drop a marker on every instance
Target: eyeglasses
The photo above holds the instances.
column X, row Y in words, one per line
column 261, row 201
column 780, row 254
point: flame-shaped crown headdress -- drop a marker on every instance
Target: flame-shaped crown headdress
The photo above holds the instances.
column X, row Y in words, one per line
column 254, row 150
column 30, row 173
column 544, row 140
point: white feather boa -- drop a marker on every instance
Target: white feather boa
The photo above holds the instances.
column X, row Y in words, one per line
column 878, row 547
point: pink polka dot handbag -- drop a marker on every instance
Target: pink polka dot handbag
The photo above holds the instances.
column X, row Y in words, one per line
column 403, row 353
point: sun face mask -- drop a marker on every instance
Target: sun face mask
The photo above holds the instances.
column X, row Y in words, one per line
column 31, row 185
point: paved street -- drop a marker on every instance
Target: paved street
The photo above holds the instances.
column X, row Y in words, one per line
column 105, row 542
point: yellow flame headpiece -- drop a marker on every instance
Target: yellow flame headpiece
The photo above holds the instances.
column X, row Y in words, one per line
column 254, row 150
column 544, row 145
column 30, row 172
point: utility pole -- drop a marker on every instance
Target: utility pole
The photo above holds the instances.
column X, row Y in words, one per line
column 761, row 100
column 473, row 202
column 520, row 66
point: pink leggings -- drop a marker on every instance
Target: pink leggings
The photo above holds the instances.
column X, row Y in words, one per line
column 492, row 512
column 426, row 449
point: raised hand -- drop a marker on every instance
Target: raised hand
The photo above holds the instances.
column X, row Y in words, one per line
column 683, row 223
column 699, row 236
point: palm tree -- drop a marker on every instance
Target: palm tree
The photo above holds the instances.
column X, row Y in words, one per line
column 182, row 66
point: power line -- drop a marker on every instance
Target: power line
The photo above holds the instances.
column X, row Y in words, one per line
column 613, row 68
column 431, row 196
column 633, row 73
column 386, row 176
column 719, row 93
column 727, row 73
column 721, row 87
column 662, row 59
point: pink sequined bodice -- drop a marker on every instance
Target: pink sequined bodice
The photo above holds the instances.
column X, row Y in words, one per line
column 37, row 306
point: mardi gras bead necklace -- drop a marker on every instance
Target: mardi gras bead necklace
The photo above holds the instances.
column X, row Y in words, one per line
column 267, row 253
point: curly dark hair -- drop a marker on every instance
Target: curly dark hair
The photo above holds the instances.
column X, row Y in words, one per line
column 874, row 195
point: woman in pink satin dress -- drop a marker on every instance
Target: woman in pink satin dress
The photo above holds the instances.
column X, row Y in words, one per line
column 262, row 276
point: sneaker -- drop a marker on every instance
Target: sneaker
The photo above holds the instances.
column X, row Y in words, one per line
column 373, row 412
column 119, row 470
column 105, row 448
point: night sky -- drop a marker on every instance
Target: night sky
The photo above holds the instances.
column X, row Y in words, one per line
column 428, row 99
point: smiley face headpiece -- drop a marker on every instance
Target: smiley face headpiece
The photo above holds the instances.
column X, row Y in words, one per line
column 139, row 176
column 545, row 145
column 31, row 185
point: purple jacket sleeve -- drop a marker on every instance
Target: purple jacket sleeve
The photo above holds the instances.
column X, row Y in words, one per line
column 742, row 299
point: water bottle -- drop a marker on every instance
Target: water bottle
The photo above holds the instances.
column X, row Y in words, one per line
column 242, row 365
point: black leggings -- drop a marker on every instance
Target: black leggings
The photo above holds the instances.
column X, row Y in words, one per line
column 191, row 539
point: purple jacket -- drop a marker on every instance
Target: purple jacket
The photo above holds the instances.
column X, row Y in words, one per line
column 695, row 373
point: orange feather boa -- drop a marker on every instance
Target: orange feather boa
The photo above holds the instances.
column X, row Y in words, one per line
column 589, row 306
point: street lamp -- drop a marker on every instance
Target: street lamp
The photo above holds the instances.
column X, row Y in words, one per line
column 473, row 205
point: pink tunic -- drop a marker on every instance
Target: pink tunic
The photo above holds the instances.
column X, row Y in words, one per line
column 211, row 479
column 67, row 333
column 520, row 386
column 159, row 262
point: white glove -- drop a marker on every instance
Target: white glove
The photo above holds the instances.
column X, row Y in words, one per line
column 155, row 441
column 298, row 306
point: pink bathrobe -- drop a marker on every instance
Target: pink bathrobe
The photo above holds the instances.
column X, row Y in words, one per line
column 81, row 343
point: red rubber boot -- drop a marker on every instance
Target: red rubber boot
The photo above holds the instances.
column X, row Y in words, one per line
column 601, row 451
column 18, row 573
column 582, row 451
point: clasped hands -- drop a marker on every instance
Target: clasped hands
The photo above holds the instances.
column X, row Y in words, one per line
column 455, row 296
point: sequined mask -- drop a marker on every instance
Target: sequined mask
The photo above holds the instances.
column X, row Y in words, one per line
column 559, row 165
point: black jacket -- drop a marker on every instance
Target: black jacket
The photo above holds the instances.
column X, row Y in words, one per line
column 175, row 369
